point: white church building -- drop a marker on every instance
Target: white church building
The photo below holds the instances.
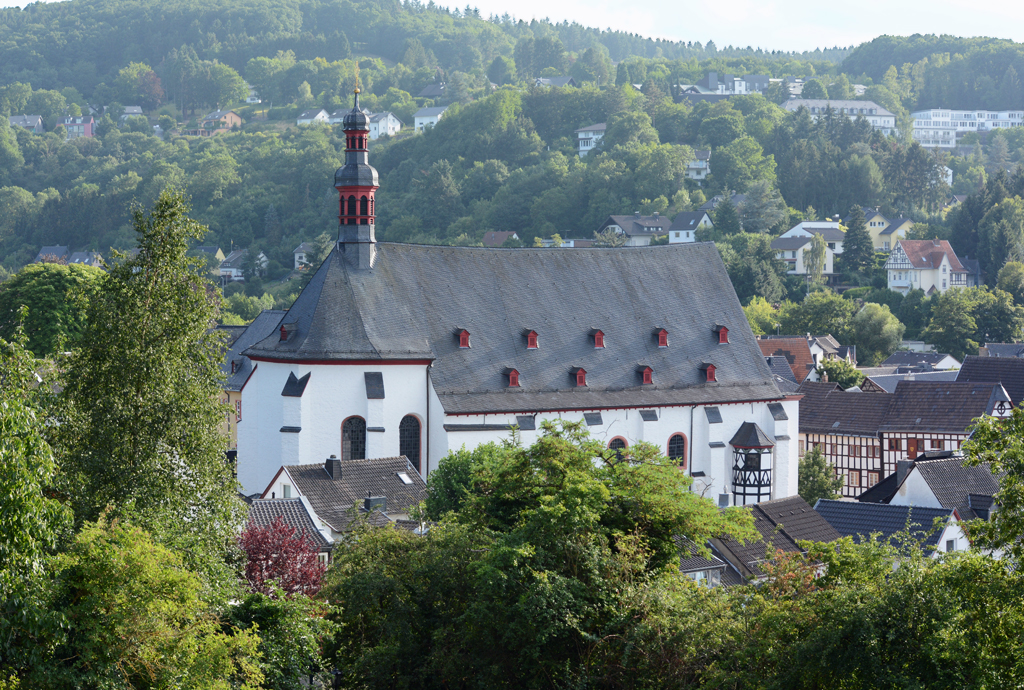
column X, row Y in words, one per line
column 396, row 349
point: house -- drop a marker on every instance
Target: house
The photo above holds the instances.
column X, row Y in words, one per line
column 384, row 124
column 829, row 230
column 556, row 81
column 131, row 111
column 232, row 268
column 212, row 255
column 795, row 351
column 425, row 118
column 338, row 491
column 237, row 368
column 498, row 238
column 781, row 524
column 300, row 252
column 704, row 568
column 312, row 117
column 929, row 265
column 699, row 167
column 883, row 231
column 77, row 126
column 1008, row 371
column 33, row 123
column 888, row 382
column 56, row 254
column 588, row 137
column 297, row 514
column 1001, row 350
column 794, row 251
column 732, row 85
column 712, row 203
column 221, row 120
column 381, row 355
column 941, row 127
column 254, row 96
column 782, row 373
column 638, row 230
column 434, row 91
column 685, row 225
column 86, row 259
column 936, row 361
column 861, row 520
column 880, row 119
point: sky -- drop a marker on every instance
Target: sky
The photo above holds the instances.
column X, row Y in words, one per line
column 771, row 24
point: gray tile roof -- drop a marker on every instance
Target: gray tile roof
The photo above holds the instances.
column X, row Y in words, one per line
column 264, row 511
column 1008, row 371
column 688, row 220
column 262, row 327
column 860, row 520
column 640, row 225
column 789, row 243
column 57, row 252
column 826, row 410
column 408, row 305
column 692, row 560
column 889, row 382
column 1004, row 349
column 906, row 358
column 952, row 483
column 333, row 499
column 940, row 407
column 430, row 112
column 796, row 103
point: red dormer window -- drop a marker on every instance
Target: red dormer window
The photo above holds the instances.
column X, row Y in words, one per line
column 710, row 373
column 581, row 376
column 463, row 337
column 513, row 378
column 531, row 340
column 662, row 337
column 648, row 375
column 284, row 333
column 723, row 335
column 598, row 339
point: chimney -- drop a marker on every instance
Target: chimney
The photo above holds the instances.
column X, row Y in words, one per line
column 656, row 214
column 903, row 468
column 371, row 503
column 935, row 242
column 636, row 214
column 333, row 467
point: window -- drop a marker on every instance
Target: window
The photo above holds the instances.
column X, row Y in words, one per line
column 648, row 375
column 513, row 378
column 677, row 449
column 531, row 340
column 364, row 206
column 581, row 377
column 409, row 439
column 286, row 491
column 853, row 478
column 662, row 338
column 618, row 443
column 872, row 478
column 598, row 339
column 723, row 336
column 353, row 439
column 463, row 338
column 950, row 545
column 936, row 443
column 711, row 375
column 895, row 444
column 404, row 478
column 351, row 205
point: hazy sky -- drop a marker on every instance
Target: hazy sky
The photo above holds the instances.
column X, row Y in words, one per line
column 771, row 24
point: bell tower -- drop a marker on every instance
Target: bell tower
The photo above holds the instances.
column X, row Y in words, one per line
column 356, row 182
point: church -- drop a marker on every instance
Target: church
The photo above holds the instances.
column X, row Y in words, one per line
column 396, row 349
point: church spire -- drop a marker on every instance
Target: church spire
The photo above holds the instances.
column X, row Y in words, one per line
column 356, row 182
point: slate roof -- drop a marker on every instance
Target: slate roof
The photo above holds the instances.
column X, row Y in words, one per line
column 50, row 253
column 860, row 520
column 310, row 114
column 712, row 203
column 261, row 327
column 86, row 258
column 235, row 259
column 599, row 127
column 638, row 225
column 379, row 117
column 692, row 560
column 794, row 350
column 333, row 499
column 828, row 233
column 264, row 511
column 929, row 253
column 1008, row 371
column 688, row 220
column 796, row 103
column 789, row 243
column 407, row 306
column 303, row 248
column 496, row 238
column 888, row 382
column 26, row 121
column 556, row 81
column 908, row 358
column 1003, row 350
column 947, row 407
column 218, row 114
column 952, row 483
column 825, row 409
column 435, row 90
column 430, row 112
column 779, row 366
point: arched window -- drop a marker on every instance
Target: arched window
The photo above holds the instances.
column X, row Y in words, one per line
column 364, row 206
column 353, row 439
column 618, row 443
column 409, row 440
column 351, row 205
column 677, row 449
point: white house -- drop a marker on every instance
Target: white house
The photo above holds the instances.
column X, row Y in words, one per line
column 685, row 225
column 385, row 123
column 414, row 350
column 312, row 117
column 639, row 230
column 940, row 127
column 231, row 269
column 929, row 265
column 253, row 96
column 793, row 251
column 588, row 137
column 425, row 118
column 830, row 230
column 299, row 254
column 699, row 167
column 880, row 118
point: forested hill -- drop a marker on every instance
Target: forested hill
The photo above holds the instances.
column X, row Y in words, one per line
column 86, row 42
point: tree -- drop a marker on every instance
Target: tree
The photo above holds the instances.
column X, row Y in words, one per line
column 607, row 238
column 57, row 297
column 817, row 478
column 858, row 254
column 814, row 258
column 813, row 88
column 141, row 417
column 278, row 558
column 821, row 312
column 841, row 372
column 762, row 208
column 952, row 326
column 1011, row 280
column 740, row 163
column 778, row 91
column 761, row 315
column 997, row 442
column 876, row 333
column 727, row 220
column 914, row 312
column 502, row 71
column 10, row 153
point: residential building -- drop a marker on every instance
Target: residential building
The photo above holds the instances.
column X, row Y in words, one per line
column 711, row 204
column 383, row 355
column 299, row 254
column 131, row 111
column 793, row 251
column 909, row 359
column 33, row 123
column 883, row 231
column 77, row 126
column 237, row 368
column 685, row 225
column 221, row 120
column 231, row 269
column 795, row 351
column 699, row 167
column 862, row 520
column 828, row 229
column 880, row 119
column 54, row 254
column 297, row 514
column 433, row 91
column 1008, row 371
column 210, row 253
column 254, row 96
column 929, row 265
column 638, row 230
column 86, row 259
column 312, row 117
column 497, row 238
column 384, row 124
column 588, row 137
column 340, row 491
column 941, row 127
column 556, row 81
column 1001, row 350
column 425, row 118
column 886, row 383
column 727, row 84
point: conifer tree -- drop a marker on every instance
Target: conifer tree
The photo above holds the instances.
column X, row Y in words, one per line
column 727, row 220
column 858, row 254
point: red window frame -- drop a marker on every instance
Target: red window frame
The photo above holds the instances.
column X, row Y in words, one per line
column 463, row 338
column 648, row 374
column 531, row 340
column 662, row 338
column 581, row 377
column 711, row 373
column 513, row 379
column 598, row 339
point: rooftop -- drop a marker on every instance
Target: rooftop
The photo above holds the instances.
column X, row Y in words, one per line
column 1008, row 371
column 861, row 520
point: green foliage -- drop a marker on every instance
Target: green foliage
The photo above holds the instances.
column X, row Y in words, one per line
column 858, row 254
column 841, row 372
column 817, row 478
column 753, row 266
column 813, row 88
column 141, row 417
column 877, row 333
column 1011, row 280
column 822, row 312
column 727, row 220
column 998, row 442
column 761, row 316
column 815, row 258
column 962, row 319
column 57, row 297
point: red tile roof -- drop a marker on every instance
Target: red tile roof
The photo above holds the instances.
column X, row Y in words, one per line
column 796, row 352
column 928, row 254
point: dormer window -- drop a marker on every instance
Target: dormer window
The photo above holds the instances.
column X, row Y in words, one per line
column 723, row 334
column 646, row 374
column 662, row 335
column 581, row 376
column 531, row 340
column 463, row 335
column 598, row 337
column 284, row 334
column 513, row 377
column 710, row 372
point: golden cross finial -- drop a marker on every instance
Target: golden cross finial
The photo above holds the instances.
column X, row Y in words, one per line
column 357, row 78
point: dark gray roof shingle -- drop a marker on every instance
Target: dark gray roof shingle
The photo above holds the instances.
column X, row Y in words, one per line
column 1008, row 371
column 952, row 483
column 857, row 414
column 861, row 520
column 262, row 327
column 264, row 511
column 940, row 407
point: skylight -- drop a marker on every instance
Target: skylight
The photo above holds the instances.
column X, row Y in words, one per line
column 406, row 479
